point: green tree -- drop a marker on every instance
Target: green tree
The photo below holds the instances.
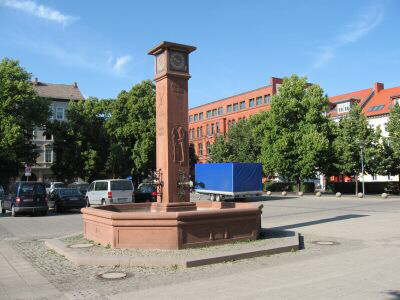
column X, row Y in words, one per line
column 21, row 111
column 356, row 137
column 81, row 144
column 241, row 143
column 132, row 131
column 297, row 134
column 390, row 157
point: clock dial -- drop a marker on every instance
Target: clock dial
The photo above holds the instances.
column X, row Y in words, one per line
column 160, row 63
column 177, row 61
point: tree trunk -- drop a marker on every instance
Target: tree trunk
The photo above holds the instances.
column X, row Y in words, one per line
column 356, row 179
column 298, row 182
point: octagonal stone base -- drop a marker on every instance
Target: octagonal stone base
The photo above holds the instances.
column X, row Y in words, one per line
column 146, row 225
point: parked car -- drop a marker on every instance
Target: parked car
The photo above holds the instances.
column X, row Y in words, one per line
column 55, row 185
column 26, row 197
column 110, row 191
column 82, row 187
column 146, row 192
column 66, row 198
column 2, row 196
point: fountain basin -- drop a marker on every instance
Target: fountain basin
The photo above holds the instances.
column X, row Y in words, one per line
column 147, row 226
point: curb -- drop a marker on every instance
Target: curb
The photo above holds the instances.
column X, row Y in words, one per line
column 288, row 244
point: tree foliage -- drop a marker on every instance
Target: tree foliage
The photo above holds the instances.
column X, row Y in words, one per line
column 355, row 136
column 21, row 111
column 81, row 143
column 241, row 143
column 297, row 134
column 132, row 131
column 390, row 158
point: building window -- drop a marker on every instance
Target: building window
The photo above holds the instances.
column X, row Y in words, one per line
column 60, row 113
column 343, row 107
column 47, row 154
column 259, row 101
column 267, row 99
column 47, row 136
column 251, row 102
column 374, row 177
column 201, row 117
column 208, row 147
column 200, row 149
column 208, row 114
column 220, row 111
column 214, row 112
column 208, row 130
column 217, row 128
column 196, row 117
column 190, row 119
column 389, row 177
column 229, row 108
column 212, row 129
column 243, row 105
column 235, row 107
column 198, row 132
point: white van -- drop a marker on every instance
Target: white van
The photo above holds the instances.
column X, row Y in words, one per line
column 110, row 191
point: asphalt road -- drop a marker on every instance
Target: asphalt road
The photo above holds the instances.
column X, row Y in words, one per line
column 363, row 263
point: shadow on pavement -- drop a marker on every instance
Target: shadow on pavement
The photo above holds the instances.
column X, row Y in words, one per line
column 320, row 221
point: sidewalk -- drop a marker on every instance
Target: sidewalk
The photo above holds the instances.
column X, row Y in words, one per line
column 19, row 280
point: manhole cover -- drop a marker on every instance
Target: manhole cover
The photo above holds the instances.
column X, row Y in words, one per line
column 81, row 245
column 326, row 243
column 113, row 275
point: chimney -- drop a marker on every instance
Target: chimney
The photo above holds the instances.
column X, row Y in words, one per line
column 75, row 85
column 36, row 81
column 378, row 87
column 275, row 82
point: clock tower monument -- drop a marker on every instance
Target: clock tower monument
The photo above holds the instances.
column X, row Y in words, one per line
column 172, row 147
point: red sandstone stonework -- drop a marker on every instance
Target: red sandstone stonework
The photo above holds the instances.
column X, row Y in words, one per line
column 125, row 226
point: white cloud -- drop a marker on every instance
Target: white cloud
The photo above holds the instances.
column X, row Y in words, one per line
column 39, row 10
column 365, row 22
column 120, row 63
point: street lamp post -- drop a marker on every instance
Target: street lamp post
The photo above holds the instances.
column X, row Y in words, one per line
column 362, row 169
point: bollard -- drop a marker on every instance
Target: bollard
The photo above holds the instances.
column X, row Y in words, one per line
column 269, row 193
column 384, row 195
column 360, row 195
column 338, row 194
column 318, row 194
column 300, row 194
column 284, row 193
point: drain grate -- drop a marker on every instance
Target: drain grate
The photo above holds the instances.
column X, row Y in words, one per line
column 326, row 243
column 113, row 275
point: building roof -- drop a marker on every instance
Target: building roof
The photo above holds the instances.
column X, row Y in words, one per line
column 360, row 95
column 381, row 102
column 57, row 91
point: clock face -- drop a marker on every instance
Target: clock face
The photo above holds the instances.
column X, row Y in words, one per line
column 177, row 61
column 160, row 63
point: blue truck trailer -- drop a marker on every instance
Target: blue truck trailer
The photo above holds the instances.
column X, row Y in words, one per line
column 228, row 180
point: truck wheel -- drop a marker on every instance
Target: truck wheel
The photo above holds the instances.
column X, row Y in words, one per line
column 3, row 211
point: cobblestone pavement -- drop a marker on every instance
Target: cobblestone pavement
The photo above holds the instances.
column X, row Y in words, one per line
column 362, row 228
column 69, row 278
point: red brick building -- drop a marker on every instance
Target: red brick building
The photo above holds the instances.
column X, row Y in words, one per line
column 212, row 119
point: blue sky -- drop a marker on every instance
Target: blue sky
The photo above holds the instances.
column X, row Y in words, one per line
column 102, row 45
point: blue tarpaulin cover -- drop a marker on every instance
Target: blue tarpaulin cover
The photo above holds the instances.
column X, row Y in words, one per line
column 229, row 177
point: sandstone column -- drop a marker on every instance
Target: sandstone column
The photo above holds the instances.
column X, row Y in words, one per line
column 171, row 77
